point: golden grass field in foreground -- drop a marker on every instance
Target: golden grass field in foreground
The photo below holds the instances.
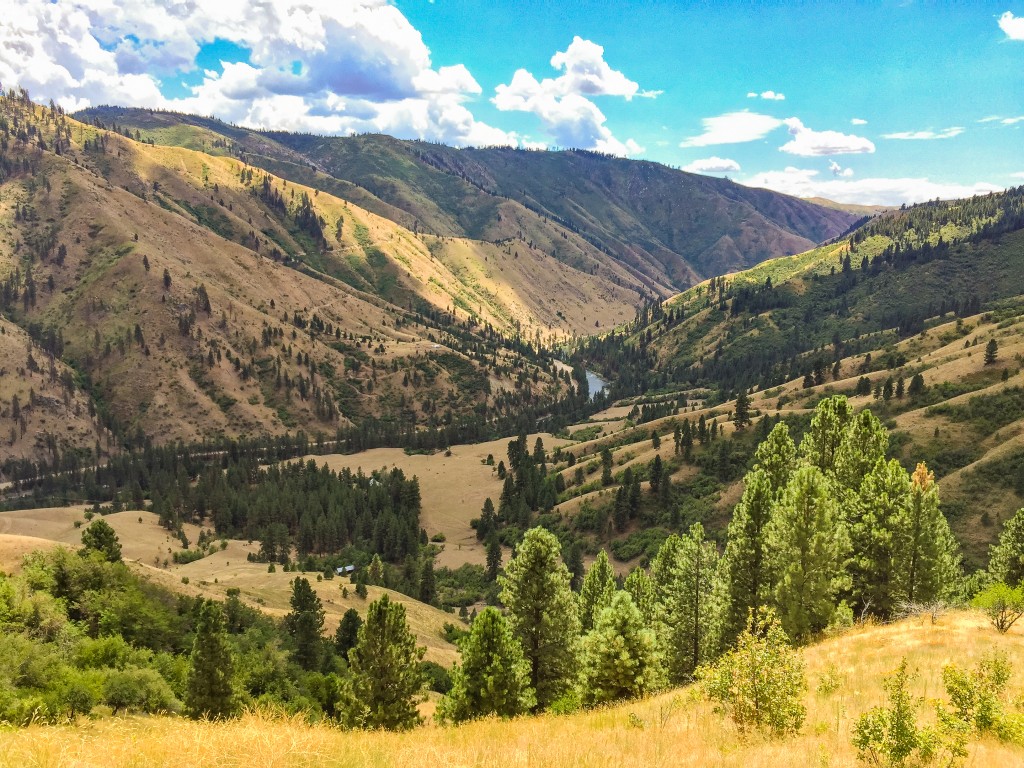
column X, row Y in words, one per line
column 677, row 729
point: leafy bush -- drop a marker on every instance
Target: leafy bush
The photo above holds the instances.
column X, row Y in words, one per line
column 1002, row 604
column 760, row 683
column 890, row 736
column 978, row 696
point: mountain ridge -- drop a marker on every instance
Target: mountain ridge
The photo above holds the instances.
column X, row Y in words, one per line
column 671, row 227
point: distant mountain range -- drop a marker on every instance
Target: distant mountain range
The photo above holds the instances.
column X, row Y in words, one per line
column 669, row 228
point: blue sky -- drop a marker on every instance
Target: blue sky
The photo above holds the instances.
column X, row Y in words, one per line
column 881, row 102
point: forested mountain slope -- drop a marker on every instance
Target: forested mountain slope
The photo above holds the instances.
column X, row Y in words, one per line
column 196, row 296
column 667, row 227
column 916, row 315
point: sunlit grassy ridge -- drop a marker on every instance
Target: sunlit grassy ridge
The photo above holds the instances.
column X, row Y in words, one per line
column 673, row 729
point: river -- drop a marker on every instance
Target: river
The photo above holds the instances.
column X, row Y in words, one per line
column 595, row 384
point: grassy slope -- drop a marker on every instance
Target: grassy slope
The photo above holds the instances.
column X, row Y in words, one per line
column 674, row 729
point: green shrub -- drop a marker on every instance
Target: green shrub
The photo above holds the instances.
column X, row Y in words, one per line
column 978, row 697
column 1002, row 604
column 760, row 683
column 889, row 735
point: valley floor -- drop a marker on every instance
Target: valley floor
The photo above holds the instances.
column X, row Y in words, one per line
column 676, row 728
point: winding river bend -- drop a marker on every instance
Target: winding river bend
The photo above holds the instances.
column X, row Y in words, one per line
column 595, row 384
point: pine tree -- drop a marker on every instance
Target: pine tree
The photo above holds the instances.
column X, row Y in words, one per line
column 684, row 574
column 375, row 571
column 305, row 623
column 776, row 457
column 606, row 466
column 487, row 522
column 208, row 686
column 620, row 655
column 347, row 634
column 991, row 352
column 493, row 557
column 384, row 665
column 828, row 425
column 878, row 536
column 863, row 445
column 543, row 615
column 596, row 593
column 428, row 588
column 493, row 678
column 929, row 565
column 640, row 587
column 741, row 413
column 1006, row 563
column 807, row 543
column 745, row 579
column 100, row 537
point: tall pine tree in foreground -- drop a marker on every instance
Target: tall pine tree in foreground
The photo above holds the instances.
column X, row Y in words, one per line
column 543, row 614
column 209, row 692
column 745, row 581
column 493, row 678
column 808, row 545
column 386, row 679
column 305, row 624
column 684, row 573
column 929, row 565
column 1006, row 563
column 878, row 536
column 598, row 588
column 620, row 655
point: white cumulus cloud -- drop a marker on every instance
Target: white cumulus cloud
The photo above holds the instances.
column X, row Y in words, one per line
column 713, row 164
column 858, row 121
column 802, row 182
column 947, row 133
column 562, row 102
column 329, row 67
column 733, row 128
column 1012, row 25
column 838, row 170
column 807, row 142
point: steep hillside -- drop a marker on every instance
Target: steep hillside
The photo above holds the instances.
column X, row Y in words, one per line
column 899, row 317
column 196, row 296
column 667, row 227
column 43, row 410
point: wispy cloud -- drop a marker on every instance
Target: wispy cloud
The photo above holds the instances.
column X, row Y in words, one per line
column 929, row 135
column 713, row 164
column 838, row 171
column 807, row 142
column 858, row 121
column 563, row 104
column 872, row 191
column 733, row 128
column 769, row 95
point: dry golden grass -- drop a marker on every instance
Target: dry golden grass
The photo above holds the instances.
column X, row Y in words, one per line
column 674, row 729
column 452, row 488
